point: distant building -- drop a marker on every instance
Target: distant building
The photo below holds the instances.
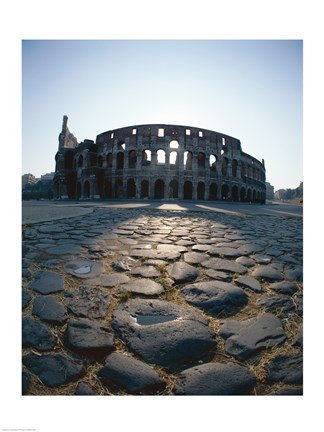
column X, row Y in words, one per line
column 280, row 194
column 269, row 191
column 27, row 179
column 33, row 188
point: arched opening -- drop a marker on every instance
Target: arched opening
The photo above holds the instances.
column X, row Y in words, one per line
column 100, row 183
column 201, row 160
column 234, row 193
column 174, row 160
column 146, row 157
column 93, row 156
column 132, row 158
column 131, row 188
column 109, row 160
column 174, row 144
column 258, row 196
column 119, row 189
column 159, row 189
column 212, row 162
column 248, row 196
column 68, row 160
column 187, row 160
column 80, row 161
column 100, row 161
column 213, row 192
column 234, row 167
column 173, row 189
column 86, row 189
column 243, row 169
column 79, row 190
column 187, row 190
column 108, row 189
column 201, row 191
column 253, row 195
column 71, row 185
column 224, row 191
column 242, row 194
column 224, row 166
column 120, row 160
column 144, row 189
column 160, row 156
column 121, row 145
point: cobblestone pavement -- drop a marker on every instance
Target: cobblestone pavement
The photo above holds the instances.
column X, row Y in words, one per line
column 144, row 301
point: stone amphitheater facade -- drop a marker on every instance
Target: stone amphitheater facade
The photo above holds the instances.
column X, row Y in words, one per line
column 157, row 161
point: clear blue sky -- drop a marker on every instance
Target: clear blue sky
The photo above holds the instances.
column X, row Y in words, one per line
column 249, row 89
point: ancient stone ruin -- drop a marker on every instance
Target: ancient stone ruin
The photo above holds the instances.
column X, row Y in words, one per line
column 157, row 161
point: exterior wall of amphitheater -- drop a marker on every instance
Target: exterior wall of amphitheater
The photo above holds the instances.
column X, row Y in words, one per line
column 157, row 161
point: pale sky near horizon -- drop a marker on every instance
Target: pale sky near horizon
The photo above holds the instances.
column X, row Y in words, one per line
column 249, row 89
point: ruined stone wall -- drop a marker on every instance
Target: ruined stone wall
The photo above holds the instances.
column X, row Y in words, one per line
column 159, row 161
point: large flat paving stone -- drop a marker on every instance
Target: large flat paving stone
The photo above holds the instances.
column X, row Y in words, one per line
column 224, row 265
column 54, row 370
column 215, row 296
column 88, row 301
column 226, row 251
column 84, row 269
column 249, row 282
column 163, row 333
column 216, row 379
column 268, row 273
column 142, row 286
column 91, row 338
column 286, row 368
column 64, row 249
column 146, row 271
column 275, row 303
column 36, row 334
column 47, row 308
column 108, row 280
column 130, row 374
column 245, row 338
column 182, row 272
column 47, row 282
column 284, row 287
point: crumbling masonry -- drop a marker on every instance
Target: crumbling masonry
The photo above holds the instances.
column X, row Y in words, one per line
column 157, row 161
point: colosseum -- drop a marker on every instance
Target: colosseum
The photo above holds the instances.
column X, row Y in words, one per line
column 157, row 161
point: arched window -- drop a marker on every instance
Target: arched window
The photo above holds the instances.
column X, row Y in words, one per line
column 201, row 191
column 146, row 157
column 160, row 156
column 174, row 144
column 132, row 158
column 234, row 193
column 187, row 160
column 234, row 167
column 173, row 189
column 224, row 166
column 187, row 190
column 174, row 158
column 201, row 160
column 159, row 189
column 131, row 188
column 120, row 160
column 212, row 162
column 224, row 191
column 80, row 161
column 100, row 161
column 109, row 160
column 144, row 189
